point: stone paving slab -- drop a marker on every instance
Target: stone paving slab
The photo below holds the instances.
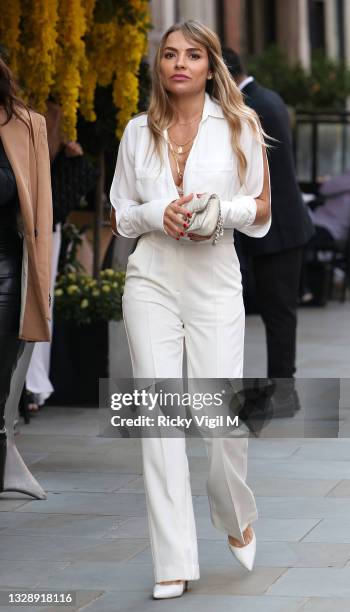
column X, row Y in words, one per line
column 310, row 582
column 329, row 470
column 118, row 577
column 262, row 486
column 55, row 443
column 11, row 501
column 236, row 580
column 85, row 481
column 330, row 531
column 291, row 487
column 86, row 462
column 62, row 525
column 303, row 507
column 87, row 503
column 325, row 604
column 64, row 548
column 269, row 554
column 324, row 451
column 82, row 422
column 342, row 489
column 267, row 529
column 130, row 601
column 21, row 573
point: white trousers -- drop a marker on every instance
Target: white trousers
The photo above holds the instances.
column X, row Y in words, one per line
column 180, row 292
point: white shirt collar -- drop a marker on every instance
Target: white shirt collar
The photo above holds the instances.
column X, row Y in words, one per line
column 211, row 107
column 245, row 82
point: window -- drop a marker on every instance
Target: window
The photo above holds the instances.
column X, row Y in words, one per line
column 317, row 24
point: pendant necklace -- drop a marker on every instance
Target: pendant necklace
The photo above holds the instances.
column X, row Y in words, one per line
column 180, row 147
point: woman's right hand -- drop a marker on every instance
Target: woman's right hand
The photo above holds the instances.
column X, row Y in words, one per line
column 175, row 216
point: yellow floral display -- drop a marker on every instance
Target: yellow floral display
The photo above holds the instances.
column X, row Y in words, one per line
column 59, row 47
column 37, row 55
column 70, row 61
column 88, row 72
column 9, row 30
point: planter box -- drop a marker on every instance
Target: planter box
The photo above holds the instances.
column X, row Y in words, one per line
column 79, row 357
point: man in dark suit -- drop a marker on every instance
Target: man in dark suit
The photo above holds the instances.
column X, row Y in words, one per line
column 277, row 258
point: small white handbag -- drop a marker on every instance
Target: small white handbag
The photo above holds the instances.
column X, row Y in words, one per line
column 206, row 217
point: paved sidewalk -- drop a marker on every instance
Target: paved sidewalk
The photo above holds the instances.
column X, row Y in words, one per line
column 91, row 534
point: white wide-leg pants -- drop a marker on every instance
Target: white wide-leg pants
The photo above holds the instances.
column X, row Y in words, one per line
column 176, row 292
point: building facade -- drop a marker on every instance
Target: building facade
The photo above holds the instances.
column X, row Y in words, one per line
column 250, row 26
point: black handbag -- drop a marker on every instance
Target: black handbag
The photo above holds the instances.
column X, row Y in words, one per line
column 71, row 179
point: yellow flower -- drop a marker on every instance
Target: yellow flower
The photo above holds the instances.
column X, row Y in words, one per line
column 58, row 292
column 70, row 61
column 64, row 48
column 106, row 288
column 9, row 30
column 96, row 292
column 84, row 303
column 37, row 57
column 72, row 289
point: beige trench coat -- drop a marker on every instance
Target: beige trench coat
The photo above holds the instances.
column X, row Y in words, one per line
column 27, row 150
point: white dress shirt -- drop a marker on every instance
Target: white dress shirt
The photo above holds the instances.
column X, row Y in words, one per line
column 142, row 187
column 245, row 82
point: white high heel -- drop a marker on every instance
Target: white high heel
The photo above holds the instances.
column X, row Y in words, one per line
column 245, row 554
column 166, row 591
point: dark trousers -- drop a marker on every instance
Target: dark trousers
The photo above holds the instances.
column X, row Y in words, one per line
column 322, row 240
column 277, row 278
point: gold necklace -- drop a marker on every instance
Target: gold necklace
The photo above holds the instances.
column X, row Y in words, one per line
column 180, row 147
column 179, row 172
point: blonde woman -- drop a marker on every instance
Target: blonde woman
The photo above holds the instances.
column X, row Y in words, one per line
column 198, row 136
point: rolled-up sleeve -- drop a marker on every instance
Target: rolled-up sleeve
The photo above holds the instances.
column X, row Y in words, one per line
column 133, row 216
column 240, row 212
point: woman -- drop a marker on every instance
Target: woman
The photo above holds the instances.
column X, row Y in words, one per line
column 181, row 287
column 25, row 236
column 38, row 384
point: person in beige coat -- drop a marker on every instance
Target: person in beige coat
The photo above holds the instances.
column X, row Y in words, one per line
column 25, row 235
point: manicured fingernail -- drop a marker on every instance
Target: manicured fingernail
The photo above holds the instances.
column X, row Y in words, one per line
column 182, row 234
column 177, row 238
column 185, row 224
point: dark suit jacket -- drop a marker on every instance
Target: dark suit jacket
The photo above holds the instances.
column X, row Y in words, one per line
column 291, row 225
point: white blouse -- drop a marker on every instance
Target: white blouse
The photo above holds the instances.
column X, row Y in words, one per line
column 142, row 187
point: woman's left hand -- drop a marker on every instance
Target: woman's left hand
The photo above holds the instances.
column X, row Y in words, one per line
column 197, row 237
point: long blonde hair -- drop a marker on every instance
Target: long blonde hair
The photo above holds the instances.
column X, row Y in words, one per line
column 222, row 89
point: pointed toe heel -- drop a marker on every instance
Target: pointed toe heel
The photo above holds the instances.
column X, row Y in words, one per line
column 245, row 554
column 167, row 591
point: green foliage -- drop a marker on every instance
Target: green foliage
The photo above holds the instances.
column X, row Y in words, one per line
column 326, row 86
column 71, row 241
column 84, row 299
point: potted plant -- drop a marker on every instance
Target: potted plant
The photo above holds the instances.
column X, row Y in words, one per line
column 83, row 307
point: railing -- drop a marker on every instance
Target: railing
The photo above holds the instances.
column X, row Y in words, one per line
column 321, row 146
